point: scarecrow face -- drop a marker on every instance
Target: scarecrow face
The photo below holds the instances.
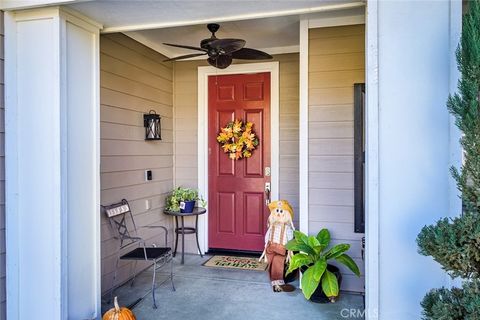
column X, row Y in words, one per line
column 278, row 214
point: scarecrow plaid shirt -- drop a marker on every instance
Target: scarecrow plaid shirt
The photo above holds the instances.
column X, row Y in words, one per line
column 279, row 233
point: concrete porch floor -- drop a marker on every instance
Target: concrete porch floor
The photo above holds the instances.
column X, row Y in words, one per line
column 211, row 293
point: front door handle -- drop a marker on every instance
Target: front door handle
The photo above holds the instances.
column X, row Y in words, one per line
column 267, row 193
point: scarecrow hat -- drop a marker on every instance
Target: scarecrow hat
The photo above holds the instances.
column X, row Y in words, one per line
column 281, row 204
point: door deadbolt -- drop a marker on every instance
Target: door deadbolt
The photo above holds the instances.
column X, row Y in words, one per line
column 268, row 172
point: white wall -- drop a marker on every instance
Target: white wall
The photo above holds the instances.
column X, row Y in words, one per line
column 414, row 59
column 80, row 180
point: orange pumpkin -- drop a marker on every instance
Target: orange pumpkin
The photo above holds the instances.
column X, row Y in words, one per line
column 117, row 313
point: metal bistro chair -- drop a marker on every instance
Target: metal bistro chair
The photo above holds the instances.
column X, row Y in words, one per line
column 117, row 216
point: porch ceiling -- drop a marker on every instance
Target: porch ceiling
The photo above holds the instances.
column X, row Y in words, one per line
column 275, row 35
column 272, row 26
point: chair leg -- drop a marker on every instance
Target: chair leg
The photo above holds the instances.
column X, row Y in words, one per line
column 153, row 284
column 176, row 236
column 196, row 236
column 114, row 278
column 171, row 273
column 134, row 273
column 183, row 240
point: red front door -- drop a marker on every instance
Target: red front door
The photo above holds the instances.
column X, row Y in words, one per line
column 236, row 200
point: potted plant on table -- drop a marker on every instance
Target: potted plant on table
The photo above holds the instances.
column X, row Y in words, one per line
column 182, row 200
column 312, row 259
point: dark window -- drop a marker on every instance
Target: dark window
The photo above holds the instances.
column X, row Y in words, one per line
column 359, row 154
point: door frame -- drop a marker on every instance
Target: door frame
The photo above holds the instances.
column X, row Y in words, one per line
column 203, row 73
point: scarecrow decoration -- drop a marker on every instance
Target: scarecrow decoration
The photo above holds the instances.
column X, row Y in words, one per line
column 279, row 232
column 238, row 139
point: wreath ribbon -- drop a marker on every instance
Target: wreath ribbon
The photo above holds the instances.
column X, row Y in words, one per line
column 238, row 139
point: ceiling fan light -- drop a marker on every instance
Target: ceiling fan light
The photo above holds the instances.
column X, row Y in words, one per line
column 221, row 62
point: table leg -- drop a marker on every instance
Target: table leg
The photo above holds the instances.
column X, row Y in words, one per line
column 176, row 236
column 196, row 235
column 183, row 239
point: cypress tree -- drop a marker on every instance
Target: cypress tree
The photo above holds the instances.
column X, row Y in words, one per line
column 455, row 242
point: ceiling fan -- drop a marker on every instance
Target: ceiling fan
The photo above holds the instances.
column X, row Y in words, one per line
column 221, row 52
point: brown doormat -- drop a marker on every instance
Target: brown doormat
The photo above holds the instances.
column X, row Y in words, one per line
column 230, row 262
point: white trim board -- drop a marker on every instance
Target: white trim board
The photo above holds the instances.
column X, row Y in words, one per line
column 7, row 5
column 303, row 128
column 250, row 16
column 372, row 166
column 203, row 74
column 336, row 21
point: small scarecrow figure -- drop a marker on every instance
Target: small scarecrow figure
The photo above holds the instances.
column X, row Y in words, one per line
column 279, row 232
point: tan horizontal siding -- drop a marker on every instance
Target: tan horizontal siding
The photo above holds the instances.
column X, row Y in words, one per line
column 134, row 88
column 289, row 113
column 185, row 121
column 335, row 45
column 133, row 81
column 337, row 32
column 330, row 164
column 336, row 62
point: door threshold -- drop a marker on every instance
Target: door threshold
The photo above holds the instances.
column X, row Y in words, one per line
column 235, row 253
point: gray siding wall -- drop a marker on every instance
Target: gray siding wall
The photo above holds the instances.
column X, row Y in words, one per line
column 185, row 133
column 186, row 141
column 336, row 62
column 133, row 81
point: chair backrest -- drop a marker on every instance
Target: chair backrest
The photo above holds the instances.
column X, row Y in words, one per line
column 117, row 216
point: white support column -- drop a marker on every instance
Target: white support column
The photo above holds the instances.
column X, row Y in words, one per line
column 303, row 124
column 52, row 165
column 372, row 294
column 409, row 181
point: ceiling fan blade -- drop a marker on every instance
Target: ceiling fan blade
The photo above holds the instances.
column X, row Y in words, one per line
column 221, row 62
column 250, row 54
column 185, row 56
column 185, row 47
column 227, row 45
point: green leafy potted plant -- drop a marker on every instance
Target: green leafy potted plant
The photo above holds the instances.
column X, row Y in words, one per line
column 312, row 259
column 182, row 199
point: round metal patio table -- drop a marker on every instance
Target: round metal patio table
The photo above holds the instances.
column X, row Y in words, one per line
column 186, row 230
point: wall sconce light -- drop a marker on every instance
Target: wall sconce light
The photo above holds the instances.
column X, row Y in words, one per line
column 151, row 122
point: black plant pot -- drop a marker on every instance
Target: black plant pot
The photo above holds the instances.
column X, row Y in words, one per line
column 292, row 276
column 318, row 296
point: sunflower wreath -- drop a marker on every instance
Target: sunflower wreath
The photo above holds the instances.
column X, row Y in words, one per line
column 238, row 139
